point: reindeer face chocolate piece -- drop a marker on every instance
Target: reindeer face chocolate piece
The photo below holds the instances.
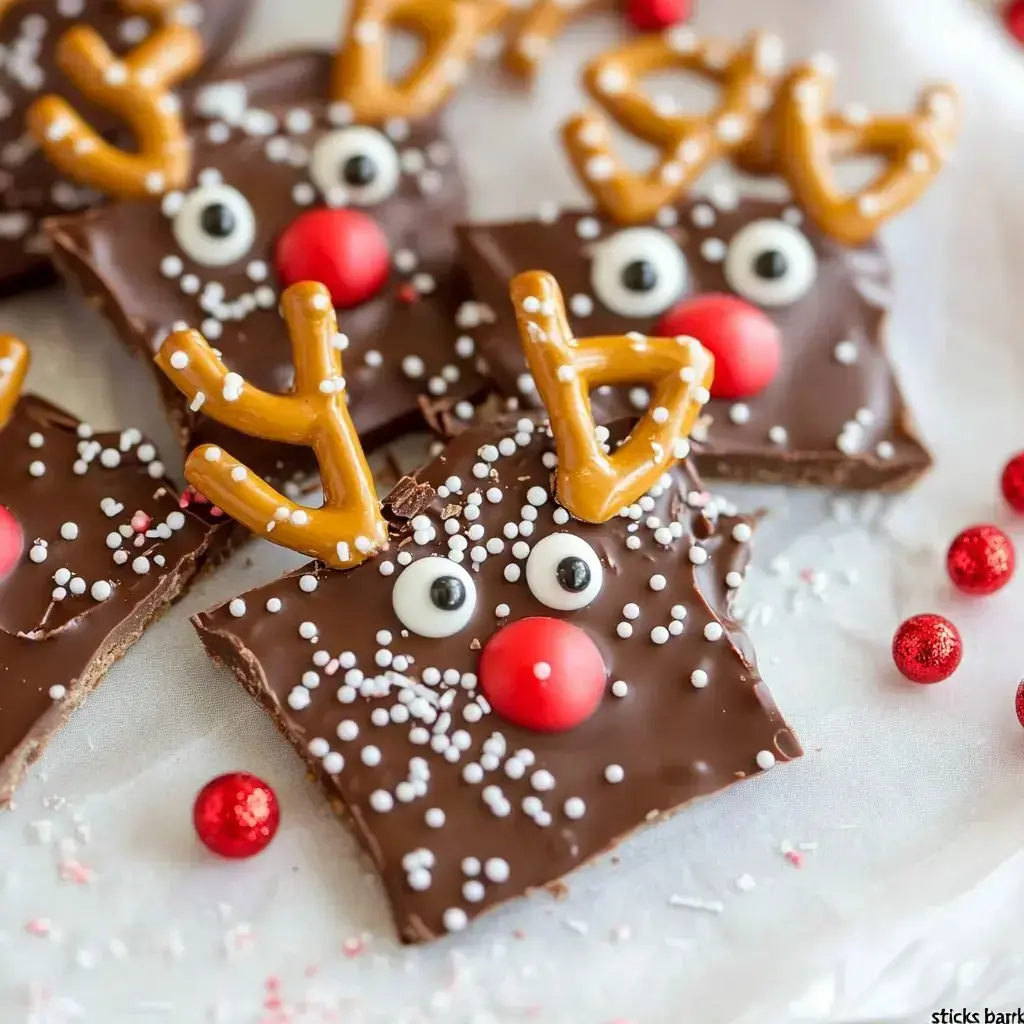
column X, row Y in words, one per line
column 93, row 546
column 296, row 177
column 31, row 187
column 504, row 692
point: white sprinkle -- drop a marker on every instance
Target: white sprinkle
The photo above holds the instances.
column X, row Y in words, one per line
column 370, row 756
column 631, row 611
column 765, row 760
column 619, row 688
column 496, row 869
column 542, row 780
column 36, row 468
column 434, row 817
column 624, row 630
column 657, row 582
column 713, row 631
column 574, row 808
column 659, row 635
column 542, row 670
column 101, row 590
column 614, row 773
column 298, row 698
column 381, row 801
column 699, row 678
column 454, row 919
column 742, row 532
column 273, row 605
column 307, row 630
column 698, row 556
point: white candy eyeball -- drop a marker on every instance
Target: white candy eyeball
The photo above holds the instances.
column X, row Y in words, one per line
column 638, row 272
column 770, row 263
column 564, row 572
column 357, row 163
column 215, row 225
column 434, row 597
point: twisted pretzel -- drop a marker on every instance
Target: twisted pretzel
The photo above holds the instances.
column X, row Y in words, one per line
column 689, row 144
column 594, row 486
column 449, row 30
column 533, row 35
column 14, row 360
column 349, row 526
column 137, row 89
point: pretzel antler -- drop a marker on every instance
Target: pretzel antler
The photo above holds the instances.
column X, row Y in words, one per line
column 594, row 486
column 137, row 89
column 14, row 360
column 449, row 30
column 544, row 20
column 349, row 526
column 810, row 137
column 689, row 143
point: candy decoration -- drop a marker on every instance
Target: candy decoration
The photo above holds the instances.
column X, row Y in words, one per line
column 236, row 815
column 1012, row 482
column 657, row 15
column 980, row 560
column 927, row 648
column 544, row 674
column 12, row 542
column 745, row 342
column 1013, row 19
column 344, row 249
column 1019, row 703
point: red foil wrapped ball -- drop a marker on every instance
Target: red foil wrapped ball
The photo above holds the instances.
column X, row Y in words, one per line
column 657, row 15
column 1012, row 482
column 927, row 648
column 980, row 560
column 236, row 815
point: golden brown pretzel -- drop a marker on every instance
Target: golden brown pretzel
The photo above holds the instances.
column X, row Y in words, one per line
column 14, row 360
column 543, row 21
column 349, row 526
column 594, row 486
column 138, row 89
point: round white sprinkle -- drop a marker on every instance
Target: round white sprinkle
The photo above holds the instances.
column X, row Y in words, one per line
column 733, row 580
column 631, row 611
column 333, row 763
column 307, row 630
column 657, row 582
column 741, row 533
column 574, row 808
column 434, row 817
column 36, row 468
column 370, row 756
column 381, row 801
column 678, row 612
column 496, row 870
column 69, row 531
column 512, row 573
column 614, row 773
column 308, row 583
column 77, row 586
column 536, row 496
column 61, row 577
column 713, row 631
column 698, row 556
column 298, row 698
column 36, row 440
column 542, row 670
column 663, row 535
column 101, row 590
column 659, row 635
column 37, row 553
column 619, row 688
column 419, row 879
column 470, row 867
column 454, row 919
column 273, row 605
column 765, row 760
column 624, row 629
column 319, row 747
column 542, row 780
column 473, row 891
column 140, row 565
column 472, row 772
column 57, row 691
column 699, row 678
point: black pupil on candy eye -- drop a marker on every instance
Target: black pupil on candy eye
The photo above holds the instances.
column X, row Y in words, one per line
column 217, row 220
column 359, row 170
column 771, row 265
column 447, row 593
column 573, row 574
column 639, row 276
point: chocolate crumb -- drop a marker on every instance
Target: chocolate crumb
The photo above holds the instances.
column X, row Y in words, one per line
column 408, row 498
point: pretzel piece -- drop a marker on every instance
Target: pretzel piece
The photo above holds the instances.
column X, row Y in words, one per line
column 811, row 137
column 688, row 143
column 543, row 22
column 349, row 526
column 14, row 360
column 449, row 31
column 594, row 486
column 137, row 89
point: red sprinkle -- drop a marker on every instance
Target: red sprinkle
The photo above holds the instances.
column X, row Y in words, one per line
column 141, row 521
column 38, row 926
column 407, row 293
column 353, row 947
column 795, row 857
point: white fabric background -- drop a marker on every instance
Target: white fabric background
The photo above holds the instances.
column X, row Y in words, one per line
column 913, row 795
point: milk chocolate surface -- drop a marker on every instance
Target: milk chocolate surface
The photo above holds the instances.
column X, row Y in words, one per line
column 460, row 809
column 833, row 414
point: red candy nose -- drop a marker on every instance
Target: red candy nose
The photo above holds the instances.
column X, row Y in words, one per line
column 543, row 674
column 744, row 341
column 12, row 542
column 343, row 249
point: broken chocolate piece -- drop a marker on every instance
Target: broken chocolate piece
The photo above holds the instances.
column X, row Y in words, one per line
column 398, row 706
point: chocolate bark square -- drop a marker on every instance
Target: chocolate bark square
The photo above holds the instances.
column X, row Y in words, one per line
column 833, row 414
column 31, row 188
column 377, row 676
column 94, row 545
column 268, row 148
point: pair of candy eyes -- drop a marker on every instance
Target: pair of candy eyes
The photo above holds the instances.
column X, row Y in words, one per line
column 436, row 597
column 355, row 166
column 641, row 272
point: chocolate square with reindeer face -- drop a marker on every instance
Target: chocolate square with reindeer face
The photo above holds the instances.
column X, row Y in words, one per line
column 509, row 692
column 295, row 179
column 32, row 188
column 94, row 545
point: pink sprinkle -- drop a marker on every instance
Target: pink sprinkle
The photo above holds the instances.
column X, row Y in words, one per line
column 795, row 858
column 141, row 521
column 311, row 971
column 75, row 871
column 353, row 947
column 331, row 667
column 38, row 926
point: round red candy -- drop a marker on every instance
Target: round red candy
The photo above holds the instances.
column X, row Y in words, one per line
column 236, row 815
column 656, row 15
column 1013, row 19
column 1019, row 703
column 12, row 542
column 543, row 674
column 980, row 560
column 1012, row 482
column 345, row 250
column 927, row 648
column 743, row 339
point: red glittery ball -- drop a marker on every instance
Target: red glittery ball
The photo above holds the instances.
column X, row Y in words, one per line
column 1019, row 703
column 1013, row 18
column 927, row 648
column 12, row 542
column 980, row 560
column 656, row 15
column 236, row 815
column 1012, row 482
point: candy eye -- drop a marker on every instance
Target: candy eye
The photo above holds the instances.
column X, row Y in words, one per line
column 564, row 572
column 355, row 165
column 215, row 225
column 638, row 272
column 771, row 263
column 434, row 597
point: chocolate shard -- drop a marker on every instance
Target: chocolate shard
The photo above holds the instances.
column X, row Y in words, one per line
column 833, row 415
column 408, row 498
column 391, row 706
column 94, row 545
column 32, row 188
